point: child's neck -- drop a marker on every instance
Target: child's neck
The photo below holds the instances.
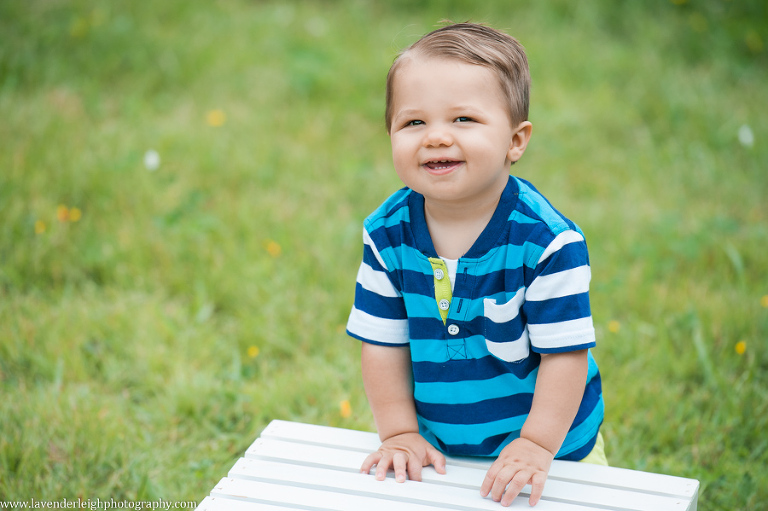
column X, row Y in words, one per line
column 455, row 230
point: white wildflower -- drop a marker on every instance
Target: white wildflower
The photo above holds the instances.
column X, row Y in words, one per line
column 746, row 137
column 151, row 160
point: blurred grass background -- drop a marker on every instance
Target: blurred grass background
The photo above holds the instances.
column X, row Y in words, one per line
column 157, row 313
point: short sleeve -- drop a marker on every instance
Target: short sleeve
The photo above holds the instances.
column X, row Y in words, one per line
column 378, row 315
column 557, row 300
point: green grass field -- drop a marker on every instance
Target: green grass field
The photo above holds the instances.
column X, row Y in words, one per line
column 155, row 317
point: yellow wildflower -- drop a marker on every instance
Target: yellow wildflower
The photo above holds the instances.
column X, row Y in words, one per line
column 764, row 301
column 253, row 351
column 216, row 118
column 40, row 227
column 741, row 347
column 345, row 409
column 273, row 248
column 614, row 326
column 62, row 213
column 75, row 215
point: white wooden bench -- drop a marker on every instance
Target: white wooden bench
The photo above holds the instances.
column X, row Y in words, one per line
column 301, row 466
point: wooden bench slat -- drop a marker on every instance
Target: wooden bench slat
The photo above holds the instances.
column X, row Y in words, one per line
column 360, row 484
column 583, row 473
column 303, row 466
column 363, row 441
column 310, row 498
column 463, row 477
column 332, row 499
column 328, row 457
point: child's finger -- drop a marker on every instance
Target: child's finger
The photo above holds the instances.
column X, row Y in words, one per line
column 537, row 487
column 382, row 466
column 437, row 460
column 516, row 485
column 400, row 464
column 370, row 461
column 414, row 468
column 490, row 477
column 503, row 485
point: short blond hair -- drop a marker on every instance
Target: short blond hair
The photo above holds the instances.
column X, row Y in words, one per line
column 480, row 45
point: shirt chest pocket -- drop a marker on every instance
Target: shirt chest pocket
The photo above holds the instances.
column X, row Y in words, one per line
column 506, row 335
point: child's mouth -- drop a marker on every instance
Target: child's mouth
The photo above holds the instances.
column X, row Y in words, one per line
column 441, row 166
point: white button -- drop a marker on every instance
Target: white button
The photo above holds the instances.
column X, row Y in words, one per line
column 453, row 329
column 439, row 274
column 444, row 304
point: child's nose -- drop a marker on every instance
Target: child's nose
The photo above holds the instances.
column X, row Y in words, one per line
column 438, row 136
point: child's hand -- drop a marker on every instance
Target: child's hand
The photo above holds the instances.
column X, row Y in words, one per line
column 405, row 453
column 520, row 463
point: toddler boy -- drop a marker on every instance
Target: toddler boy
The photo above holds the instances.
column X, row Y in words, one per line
column 472, row 300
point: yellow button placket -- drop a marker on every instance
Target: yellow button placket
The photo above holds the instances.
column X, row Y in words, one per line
column 442, row 286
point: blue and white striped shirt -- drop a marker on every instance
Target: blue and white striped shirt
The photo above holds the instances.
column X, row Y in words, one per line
column 521, row 290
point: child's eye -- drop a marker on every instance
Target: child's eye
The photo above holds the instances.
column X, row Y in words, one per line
column 464, row 119
column 414, row 123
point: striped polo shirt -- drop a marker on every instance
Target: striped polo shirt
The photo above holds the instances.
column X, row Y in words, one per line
column 521, row 290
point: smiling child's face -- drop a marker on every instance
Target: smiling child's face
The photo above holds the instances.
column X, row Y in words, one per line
column 452, row 137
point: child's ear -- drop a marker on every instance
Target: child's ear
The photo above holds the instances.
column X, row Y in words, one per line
column 520, row 138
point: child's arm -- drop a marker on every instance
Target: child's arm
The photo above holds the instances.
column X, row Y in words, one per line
column 388, row 380
column 559, row 390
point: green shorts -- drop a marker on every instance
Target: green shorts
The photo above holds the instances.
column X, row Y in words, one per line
column 597, row 454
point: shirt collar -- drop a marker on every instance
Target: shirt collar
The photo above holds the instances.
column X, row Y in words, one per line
column 487, row 239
